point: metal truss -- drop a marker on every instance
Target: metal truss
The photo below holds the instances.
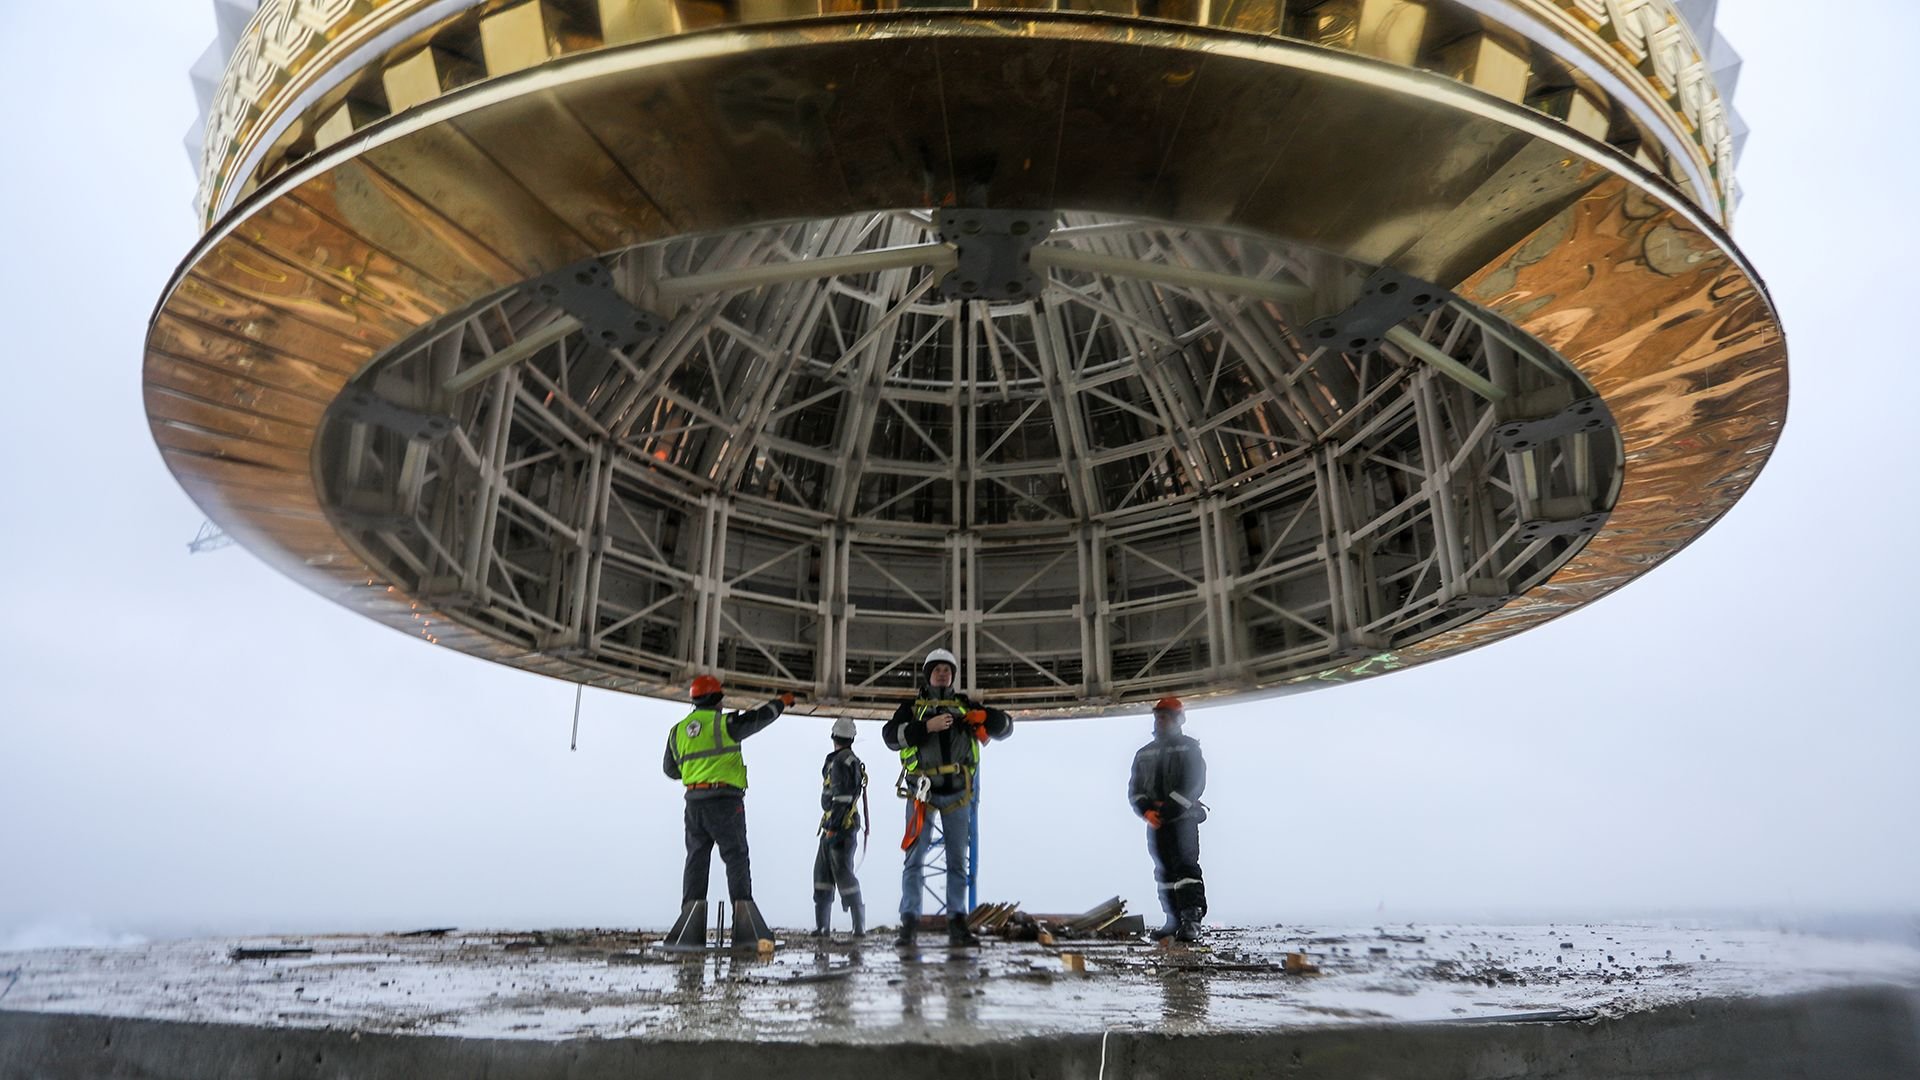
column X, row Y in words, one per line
column 1141, row 481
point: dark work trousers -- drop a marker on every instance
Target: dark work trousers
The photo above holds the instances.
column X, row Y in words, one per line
column 833, row 868
column 717, row 820
column 1175, row 847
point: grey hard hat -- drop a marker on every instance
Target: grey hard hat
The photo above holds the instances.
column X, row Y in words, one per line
column 843, row 728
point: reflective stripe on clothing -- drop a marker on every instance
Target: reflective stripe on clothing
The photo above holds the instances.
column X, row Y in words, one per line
column 706, row 752
column 910, row 755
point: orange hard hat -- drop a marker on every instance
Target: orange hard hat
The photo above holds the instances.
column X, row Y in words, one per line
column 702, row 686
column 1169, row 704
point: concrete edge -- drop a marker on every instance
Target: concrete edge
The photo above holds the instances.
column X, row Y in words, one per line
column 1865, row 1032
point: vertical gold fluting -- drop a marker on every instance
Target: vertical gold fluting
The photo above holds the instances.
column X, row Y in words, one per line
column 298, row 81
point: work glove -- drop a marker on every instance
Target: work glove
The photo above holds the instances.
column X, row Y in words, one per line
column 1153, row 819
column 977, row 720
column 786, row 699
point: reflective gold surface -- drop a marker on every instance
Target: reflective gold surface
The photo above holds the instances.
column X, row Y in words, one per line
column 1690, row 358
column 348, row 254
column 308, row 73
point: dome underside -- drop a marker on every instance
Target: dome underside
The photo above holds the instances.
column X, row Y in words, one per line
column 1126, row 486
column 617, row 368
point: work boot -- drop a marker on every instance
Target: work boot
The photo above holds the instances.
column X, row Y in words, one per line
column 1188, row 930
column 749, row 929
column 904, row 938
column 823, row 917
column 858, row 910
column 958, row 936
column 1166, row 929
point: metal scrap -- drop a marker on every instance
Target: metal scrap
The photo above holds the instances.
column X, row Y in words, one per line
column 243, row 952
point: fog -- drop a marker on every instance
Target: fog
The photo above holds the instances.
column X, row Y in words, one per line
column 197, row 745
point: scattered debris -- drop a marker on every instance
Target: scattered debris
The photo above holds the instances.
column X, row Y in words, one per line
column 1107, row 919
column 1096, row 918
column 636, row 958
column 831, row 974
column 468, row 984
column 1555, row 1016
column 246, row 952
column 988, row 918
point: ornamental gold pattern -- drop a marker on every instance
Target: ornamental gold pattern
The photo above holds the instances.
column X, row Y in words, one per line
column 298, row 80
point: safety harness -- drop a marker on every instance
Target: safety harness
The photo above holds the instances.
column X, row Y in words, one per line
column 828, row 824
column 915, row 782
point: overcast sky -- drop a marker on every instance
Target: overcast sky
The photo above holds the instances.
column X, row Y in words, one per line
column 197, row 745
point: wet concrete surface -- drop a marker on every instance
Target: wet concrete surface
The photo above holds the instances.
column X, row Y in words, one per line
column 1588, row 1002
column 591, row 984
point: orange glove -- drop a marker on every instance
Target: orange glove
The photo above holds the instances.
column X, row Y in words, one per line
column 1153, row 819
column 787, row 699
column 977, row 720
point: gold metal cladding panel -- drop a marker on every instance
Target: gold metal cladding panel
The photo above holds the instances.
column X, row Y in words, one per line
column 415, row 232
column 295, row 76
column 273, row 280
column 737, row 128
column 250, row 328
column 573, row 176
column 464, row 183
column 195, row 443
column 340, row 259
column 1686, row 351
column 174, row 409
column 216, row 368
column 1165, row 125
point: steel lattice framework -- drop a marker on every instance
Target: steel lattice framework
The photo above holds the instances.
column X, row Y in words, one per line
column 1125, row 347
column 1126, row 486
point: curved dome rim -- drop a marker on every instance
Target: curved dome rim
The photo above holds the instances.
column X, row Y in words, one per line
column 1670, row 205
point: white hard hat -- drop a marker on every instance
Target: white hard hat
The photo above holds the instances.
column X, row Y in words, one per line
column 941, row 656
column 843, row 728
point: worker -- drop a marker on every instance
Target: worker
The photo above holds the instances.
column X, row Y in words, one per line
column 703, row 753
column 938, row 736
column 843, row 799
column 1169, row 775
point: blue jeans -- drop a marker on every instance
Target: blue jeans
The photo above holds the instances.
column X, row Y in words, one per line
column 953, row 825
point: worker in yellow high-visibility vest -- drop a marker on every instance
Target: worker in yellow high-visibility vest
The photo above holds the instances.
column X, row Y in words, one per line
column 703, row 753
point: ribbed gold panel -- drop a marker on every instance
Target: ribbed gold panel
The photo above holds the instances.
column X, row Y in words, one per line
column 309, row 72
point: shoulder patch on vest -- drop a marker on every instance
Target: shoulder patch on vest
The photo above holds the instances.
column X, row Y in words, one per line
column 693, row 728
